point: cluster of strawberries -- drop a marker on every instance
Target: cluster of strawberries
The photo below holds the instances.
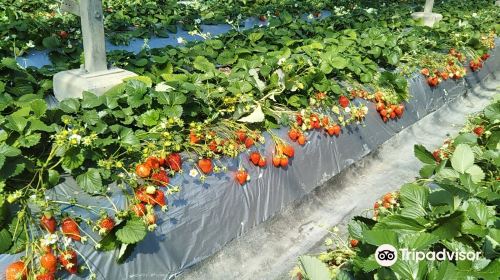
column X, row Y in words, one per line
column 51, row 255
column 282, row 155
column 388, row 203
column 453, row 70
column 388, row 111
column 154, row 171
column 477, row 64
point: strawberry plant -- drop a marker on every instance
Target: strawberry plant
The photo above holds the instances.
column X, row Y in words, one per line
column 451, row 207
column 193, row 105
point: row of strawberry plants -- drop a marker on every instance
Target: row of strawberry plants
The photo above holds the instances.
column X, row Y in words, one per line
column 27, row 25
column 453, row 206
column 133, row 135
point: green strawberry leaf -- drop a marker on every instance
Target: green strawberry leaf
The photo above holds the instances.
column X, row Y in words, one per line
column 132, row 232
column 90, row 181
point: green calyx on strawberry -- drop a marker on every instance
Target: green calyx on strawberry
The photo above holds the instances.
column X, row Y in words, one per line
column 69, row 260
column 70, row 229
column 48, row 222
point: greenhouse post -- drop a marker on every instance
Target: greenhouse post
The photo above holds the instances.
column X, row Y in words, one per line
column 429, row 18
column 94, row 76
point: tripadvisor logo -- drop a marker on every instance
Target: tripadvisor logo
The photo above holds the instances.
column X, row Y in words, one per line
column 387, row 255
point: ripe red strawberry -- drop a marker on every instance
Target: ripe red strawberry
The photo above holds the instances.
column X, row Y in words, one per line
column 212, row 146
column 49, row 262
column 262, row 162
column 153, row 162
column 302, row 140
column 63, row 34
column 241, row 136
column 283, row 161
column 392, row 115
column 433, row 81
column 337, row 129
column 354, row 243
column 276, row 161
column 205, row 165
column 48, row 222
column 70, row 228
column 376, row 205
column 143, row 170
column 143, row 196
column 174, row 162
column 106, row 224
column 69, row 260
column 425, row 72
column 479, row 131
column 193, row 138
column 330, row 130
column 249, row 142
column 344, row 101
column 288, row 151
column 315, row 123
column 160, row 178
column 159, row 198
column 255, row 158
column 16, row 271
column 139, row 209
column 444, row 75
column 436, row 155
column 46, row 276
column 485, row 56
column 325, row 121
column 399, row 110
column 241, row 176
column 379, row 106
column 299, row 119
column 293, row 134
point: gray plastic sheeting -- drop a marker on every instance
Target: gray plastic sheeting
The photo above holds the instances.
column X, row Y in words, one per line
column 203, row 217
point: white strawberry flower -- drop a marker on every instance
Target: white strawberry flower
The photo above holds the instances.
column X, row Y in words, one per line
column 75, row 139
column 67, row 241
column 181, row 40
column 49, row 239
column 193, row 173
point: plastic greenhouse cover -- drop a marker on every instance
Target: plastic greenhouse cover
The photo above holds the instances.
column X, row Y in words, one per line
column 204, row 216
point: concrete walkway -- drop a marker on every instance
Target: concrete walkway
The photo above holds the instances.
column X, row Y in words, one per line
column 270, row 250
